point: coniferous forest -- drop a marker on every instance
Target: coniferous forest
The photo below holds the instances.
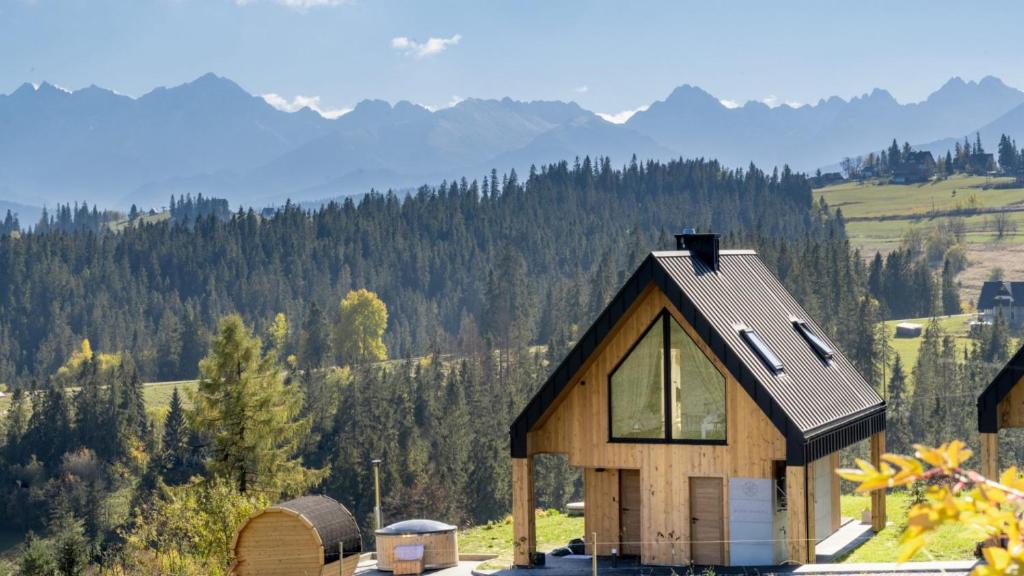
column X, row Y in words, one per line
column 409, row 328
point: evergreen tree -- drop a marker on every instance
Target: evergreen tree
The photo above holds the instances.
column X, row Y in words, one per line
column 70, row 547
column 249, row 413
column 174, row 447
column 950, row 291
column 314, row 340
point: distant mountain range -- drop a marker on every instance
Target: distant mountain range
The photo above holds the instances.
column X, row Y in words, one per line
column 210, row 136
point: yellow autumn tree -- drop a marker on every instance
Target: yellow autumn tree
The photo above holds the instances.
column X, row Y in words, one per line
column 991, row 508
column 359, row 338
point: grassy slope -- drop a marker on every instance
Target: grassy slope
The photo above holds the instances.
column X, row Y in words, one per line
column 554, row 530
column 950, row 543
column 866, row 203
column 157, row 394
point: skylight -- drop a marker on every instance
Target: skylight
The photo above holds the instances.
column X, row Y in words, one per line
column 763, row 351
column 823, row 350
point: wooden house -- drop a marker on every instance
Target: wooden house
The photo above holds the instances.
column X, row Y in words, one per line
column 311, row 535
column 1000, row 405
column 706, row 410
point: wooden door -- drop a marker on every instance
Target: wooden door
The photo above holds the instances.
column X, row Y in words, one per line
column 629, row 513
column 706, row 521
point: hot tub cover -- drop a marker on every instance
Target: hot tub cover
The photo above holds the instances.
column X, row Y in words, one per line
column 417, row 526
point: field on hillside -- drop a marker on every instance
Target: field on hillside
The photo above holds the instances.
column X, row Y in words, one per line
column 908, row 348
column 878, row 215
column 157, row 395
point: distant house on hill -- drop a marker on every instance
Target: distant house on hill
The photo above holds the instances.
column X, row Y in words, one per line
column 1001, row 297
column 916, row 167
column 826, row 179
column 707, row 412
column 981, row 164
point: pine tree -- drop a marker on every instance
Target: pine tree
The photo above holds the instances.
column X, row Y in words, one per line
column 899, row 438
column 950, row 291
column 70, row 547
column 174, row 448
column 315, row 340
column 250, row 415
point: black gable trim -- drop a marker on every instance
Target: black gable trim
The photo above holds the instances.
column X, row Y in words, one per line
column 579, row 354
column 989, row 399
column 800, row 447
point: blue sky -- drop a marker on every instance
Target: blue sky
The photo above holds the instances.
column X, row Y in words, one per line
column 608, row 56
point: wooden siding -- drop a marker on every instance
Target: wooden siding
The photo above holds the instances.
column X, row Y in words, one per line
column 989, row 454
column 601, row 511
column 1011, row 407
column 577, row 425
column 524, row 528
column 877, row 446
column 798, row 528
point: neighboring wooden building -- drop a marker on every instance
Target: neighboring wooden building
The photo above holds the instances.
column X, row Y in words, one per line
column 1000, row 405
column 707, row 410
column 311, row 535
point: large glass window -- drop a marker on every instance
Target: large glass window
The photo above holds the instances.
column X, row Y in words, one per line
column 667, row 390
column 698, row 390
column 637, row 390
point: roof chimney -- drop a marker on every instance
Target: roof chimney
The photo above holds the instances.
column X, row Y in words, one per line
column 703, row 246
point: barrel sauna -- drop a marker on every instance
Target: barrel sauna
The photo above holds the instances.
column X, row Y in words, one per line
column 439, row 540
column 308, row 535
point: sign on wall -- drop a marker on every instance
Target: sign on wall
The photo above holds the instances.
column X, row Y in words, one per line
column 750, row 522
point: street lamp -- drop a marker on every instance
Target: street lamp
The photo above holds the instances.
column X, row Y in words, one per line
column 376, row 493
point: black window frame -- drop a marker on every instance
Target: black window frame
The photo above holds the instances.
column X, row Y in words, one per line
column 666, row 382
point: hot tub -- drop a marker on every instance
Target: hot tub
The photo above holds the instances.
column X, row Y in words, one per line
column 439, row 540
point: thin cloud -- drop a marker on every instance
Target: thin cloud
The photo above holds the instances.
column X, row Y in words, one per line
column 582, row 89
column 431, row 47
column 451, row 104
column 620, row 117
column 300, row 102
column 729, row 103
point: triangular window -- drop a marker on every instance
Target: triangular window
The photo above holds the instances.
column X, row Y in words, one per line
column 667, row 390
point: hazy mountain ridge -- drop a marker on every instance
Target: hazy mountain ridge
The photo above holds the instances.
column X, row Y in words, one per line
column 213, row 137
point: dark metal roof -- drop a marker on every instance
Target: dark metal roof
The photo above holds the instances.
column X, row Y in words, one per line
column 819, row 406
column 333, row 522
column 993, row 288
column 416, row 526
column 988, row 400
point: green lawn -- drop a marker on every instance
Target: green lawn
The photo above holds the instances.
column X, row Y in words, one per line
column 949, row 543
column 554, row 530
column 908, row 348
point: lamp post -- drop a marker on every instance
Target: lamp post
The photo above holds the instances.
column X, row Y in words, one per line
column 376, row 493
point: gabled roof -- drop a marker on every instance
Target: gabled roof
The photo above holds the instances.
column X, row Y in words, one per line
column 819, row 406
column 993, row 394
column 993, row 288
